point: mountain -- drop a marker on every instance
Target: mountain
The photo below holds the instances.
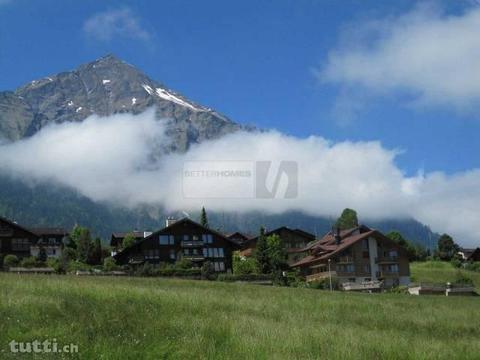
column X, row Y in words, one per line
column 108, row 86
column 104, row 87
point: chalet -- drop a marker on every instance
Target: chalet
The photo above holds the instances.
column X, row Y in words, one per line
column 51, row 239
column 24, row 242
column 294, row 240
column 358, row 255
column 238, row 238
column 183, row 239
column 470, row 254
column 116, row 240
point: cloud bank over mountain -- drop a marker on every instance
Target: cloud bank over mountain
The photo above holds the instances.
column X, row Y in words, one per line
column 425, row 56
column 115, row 159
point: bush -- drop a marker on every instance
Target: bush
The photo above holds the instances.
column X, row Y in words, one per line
column 243, row 265
column 401, row 289
column 109, row 264
column 183, row 264
column 246, row 277
column 146, row 269
column 463, row 279
column 10, row 261
column 473, row 266
column 57, row 265
column 74, row 266
column 323, row 284
column 457, row 263
column 207, row 271
column 31, row 262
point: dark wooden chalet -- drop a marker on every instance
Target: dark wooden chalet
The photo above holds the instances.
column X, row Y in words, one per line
column 116, row 240
column 15, row 239
column 184, row 239
column 295, row 241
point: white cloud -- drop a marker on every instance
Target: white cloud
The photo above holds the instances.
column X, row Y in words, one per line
column 430, row 56
column 109, row 159
column 111, row 24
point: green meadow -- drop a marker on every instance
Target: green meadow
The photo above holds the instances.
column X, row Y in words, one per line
column 153, row 318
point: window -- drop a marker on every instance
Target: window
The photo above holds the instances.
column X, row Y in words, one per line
column 171, row 240
column 195, row 237
column 195, row 251
column 365, row 244
column 172, row 254
column 186, row 237
column 164, row 240
column 52, row 240
column 393, row 253
column 393, row 268
column 220, row 253
column 366, row 268
column 20, row 245
column 210, row 252
column 186, row 251
column 222, row 266
column 217, row 267
column 205, row 252
column 207, row 238
column 215, row 252
column 350, row 268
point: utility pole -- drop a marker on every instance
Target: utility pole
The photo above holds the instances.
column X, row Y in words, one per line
column 330, row 275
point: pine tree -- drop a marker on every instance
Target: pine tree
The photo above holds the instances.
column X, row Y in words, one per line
column 84, row 244
column 203, row 218
column 261, row 253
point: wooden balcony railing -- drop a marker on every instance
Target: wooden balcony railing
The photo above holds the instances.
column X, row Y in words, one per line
column 386, row 259
column 192, row 243
column 345, row 260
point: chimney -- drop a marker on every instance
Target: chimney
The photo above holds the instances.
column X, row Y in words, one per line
column 338, row 238
column 170, row 221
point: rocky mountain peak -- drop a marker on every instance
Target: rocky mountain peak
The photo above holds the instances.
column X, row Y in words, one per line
column 106, row 86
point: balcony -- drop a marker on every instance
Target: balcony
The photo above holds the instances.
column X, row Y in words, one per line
column 387, row 274
column 345, row 260
column 196, row 257
column 386, row 259
column 192, row 243
column 320, row 276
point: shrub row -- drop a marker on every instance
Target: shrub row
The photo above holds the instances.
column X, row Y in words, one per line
column 245, row 277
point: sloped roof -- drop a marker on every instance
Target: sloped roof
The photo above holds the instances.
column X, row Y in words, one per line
column 175, row 224
column 300, row 232
column 49, row 231
column 15, row 225
column 327, row 247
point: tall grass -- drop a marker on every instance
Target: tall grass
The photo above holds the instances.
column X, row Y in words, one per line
column 146, row 318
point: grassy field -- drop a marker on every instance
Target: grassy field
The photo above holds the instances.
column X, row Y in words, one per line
column 145, row 318
column 440, row 272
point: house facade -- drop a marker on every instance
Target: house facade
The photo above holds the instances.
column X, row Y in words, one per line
column 294, row 240
column 116, row 240
column 356, row 255
column 51, row 239
column 24, row 242
column 182, row 239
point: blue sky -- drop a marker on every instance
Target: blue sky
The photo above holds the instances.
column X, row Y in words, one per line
column 256, row 61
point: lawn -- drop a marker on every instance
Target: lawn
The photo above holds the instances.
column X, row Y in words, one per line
column 440, row 272
column 146, row 318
